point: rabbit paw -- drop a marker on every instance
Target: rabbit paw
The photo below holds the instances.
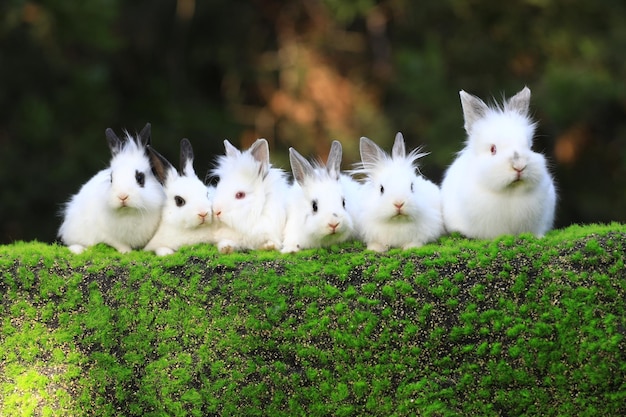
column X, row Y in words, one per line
column 164, row 251
column 290, row 248
column 77, row 249
column 226, row 246
column 121, row 248
column 270, row 245
column 377, row 247
column 412, row 245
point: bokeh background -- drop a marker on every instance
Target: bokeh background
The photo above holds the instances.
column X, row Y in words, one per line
column 302, row 73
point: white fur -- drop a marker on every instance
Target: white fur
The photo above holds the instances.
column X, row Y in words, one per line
column 352, row 192
column 511, row 192
column 112, row 208
column 256, row 220
column 407, row 212
column 317, row 213
column 191, row 222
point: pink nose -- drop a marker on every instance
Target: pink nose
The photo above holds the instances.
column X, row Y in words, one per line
column 123, row 197
column 399, row 205
column 333, row 226
column 203, row 215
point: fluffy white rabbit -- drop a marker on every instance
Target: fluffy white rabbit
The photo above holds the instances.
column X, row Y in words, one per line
column 121, row 205
column 497, row 184
column 316, row 210
column 249, row 201
column 399, row 208
column 187, row 215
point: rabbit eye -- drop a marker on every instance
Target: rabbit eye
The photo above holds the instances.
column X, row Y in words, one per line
column 111, row 178
column 343, row 202
column 382, row 190
column 141, row 178
column 314, row 206
column 493, row 149
column 411, row 187
column 179, row 201
column 240, row 195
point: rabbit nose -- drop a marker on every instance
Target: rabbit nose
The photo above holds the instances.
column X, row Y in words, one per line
column 518, row 161
column 399, row 205
column 123, row 197
column 519, row 166
column 333, row 226
column 203, row 216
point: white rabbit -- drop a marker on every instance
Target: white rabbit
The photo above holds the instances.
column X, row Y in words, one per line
column 121, row 205
column 316, row 210
column 187, row 216
column 399, row 208
column 497, row 184
column 249, row 202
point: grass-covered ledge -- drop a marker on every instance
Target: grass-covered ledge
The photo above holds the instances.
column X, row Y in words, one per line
column 510, row 327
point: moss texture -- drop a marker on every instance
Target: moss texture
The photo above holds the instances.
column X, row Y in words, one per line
column 508, row 327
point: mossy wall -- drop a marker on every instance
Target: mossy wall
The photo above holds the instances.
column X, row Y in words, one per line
column 508, row 327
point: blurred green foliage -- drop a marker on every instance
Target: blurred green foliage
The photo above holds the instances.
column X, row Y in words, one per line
column 301, row 74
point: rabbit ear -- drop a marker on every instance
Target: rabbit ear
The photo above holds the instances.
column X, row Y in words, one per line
column 473, row 109
column 115, row 143
column 399, row 150
column 520, row 102
column 230, row 149
column 370, row 152
column 145, row 135
column 333, row 163
column 160, row 166
column 260, row 151
column 186, row 159
column 301, row 168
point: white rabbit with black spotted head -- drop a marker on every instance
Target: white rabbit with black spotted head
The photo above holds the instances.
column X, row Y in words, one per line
column 187, row 216
column 497, row 184
column 121, row 205
column 317, row 214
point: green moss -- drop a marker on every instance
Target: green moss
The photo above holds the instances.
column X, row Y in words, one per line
column 511, row 326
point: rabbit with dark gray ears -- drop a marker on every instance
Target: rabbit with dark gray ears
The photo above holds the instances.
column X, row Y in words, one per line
column 187, row 216
column 399, row 208
column 497, row 184
column 121, row 205
column 317, row 214
column 249, row 200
